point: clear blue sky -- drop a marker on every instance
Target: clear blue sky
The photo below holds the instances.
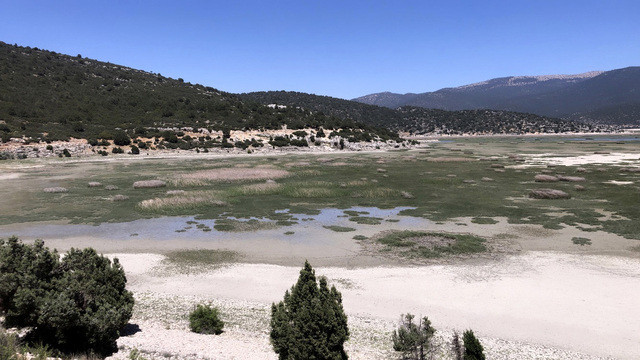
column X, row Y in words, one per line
column 338, row 48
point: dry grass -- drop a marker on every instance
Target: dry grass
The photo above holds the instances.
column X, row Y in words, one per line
column 94, row 184
column 450, row 159
column 227, row 174
column 111, row 187
column 259, row 189
column 145, row 184
column 375, row 193
column 55, row 190
column 186, row 200
column 118, row 198
column 309, row 192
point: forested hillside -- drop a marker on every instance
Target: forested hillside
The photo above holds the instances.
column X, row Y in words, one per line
column 423, row 121
column 46, row 95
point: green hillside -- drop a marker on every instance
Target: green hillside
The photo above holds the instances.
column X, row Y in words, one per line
column 51, row 96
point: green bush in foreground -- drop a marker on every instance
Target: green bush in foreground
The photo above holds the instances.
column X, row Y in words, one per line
column 310, row 322
column 204, row 319
column 76, row 304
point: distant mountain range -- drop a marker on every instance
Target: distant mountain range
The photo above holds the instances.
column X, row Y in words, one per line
column 611, row 97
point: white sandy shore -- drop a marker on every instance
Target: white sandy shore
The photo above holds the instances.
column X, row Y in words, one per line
column 536, row 305
column 612, row 158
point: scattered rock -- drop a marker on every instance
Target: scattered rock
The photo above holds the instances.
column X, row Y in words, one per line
column 571, row 178
column 548, row 194
column 143, row 184
column 55, row 190
column 407, row 195
column 631, row 170
column 545, row 178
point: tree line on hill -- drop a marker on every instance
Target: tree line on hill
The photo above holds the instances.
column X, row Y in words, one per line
column 417, row 120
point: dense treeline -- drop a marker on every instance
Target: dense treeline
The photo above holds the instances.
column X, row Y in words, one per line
column 421, row 120
column 43, row 92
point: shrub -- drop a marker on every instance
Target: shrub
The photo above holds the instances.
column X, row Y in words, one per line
column 135, row 150
column 204, row 319
column 472, row 348
column 121, row 138
column 310, row 322
column 49, row 147
column 9, row 348
column 74, row 304
column 66, row 153
column 117, row 150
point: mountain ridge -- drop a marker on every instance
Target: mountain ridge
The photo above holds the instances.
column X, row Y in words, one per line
column 582, row 96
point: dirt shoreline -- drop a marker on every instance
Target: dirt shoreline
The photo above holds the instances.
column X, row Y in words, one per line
column 500, row 300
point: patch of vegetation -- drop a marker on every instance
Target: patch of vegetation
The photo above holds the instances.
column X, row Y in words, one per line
column 202, row 257
column 484, row 220
column 581, row 241
column 423, row 244
column 360, row 237
column 205, row 319
column 366, row 220
column 233, row 225
column 337, row 228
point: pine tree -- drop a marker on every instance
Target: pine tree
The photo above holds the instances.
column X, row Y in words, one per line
column 456, row 346
column 472, row 348
column 413, row 340
column 310, row 322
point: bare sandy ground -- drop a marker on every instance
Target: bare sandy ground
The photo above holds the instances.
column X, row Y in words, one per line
column 536, row 305
column 612, row 158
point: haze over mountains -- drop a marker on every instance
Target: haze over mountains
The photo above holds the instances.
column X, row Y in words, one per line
column 611, row 97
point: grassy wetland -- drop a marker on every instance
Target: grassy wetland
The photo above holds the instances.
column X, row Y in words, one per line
column 426, row 230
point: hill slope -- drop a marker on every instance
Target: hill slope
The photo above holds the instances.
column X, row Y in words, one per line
column 594, row 96
column 420, row 120
column 43, row 92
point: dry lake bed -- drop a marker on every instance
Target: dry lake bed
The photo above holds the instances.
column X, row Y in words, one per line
column 454, row 230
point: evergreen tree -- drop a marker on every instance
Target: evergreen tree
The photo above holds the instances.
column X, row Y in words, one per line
column 310, row 322
column 413, row 340
column 75, row 304
column 456, row 346
column 472, row 348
